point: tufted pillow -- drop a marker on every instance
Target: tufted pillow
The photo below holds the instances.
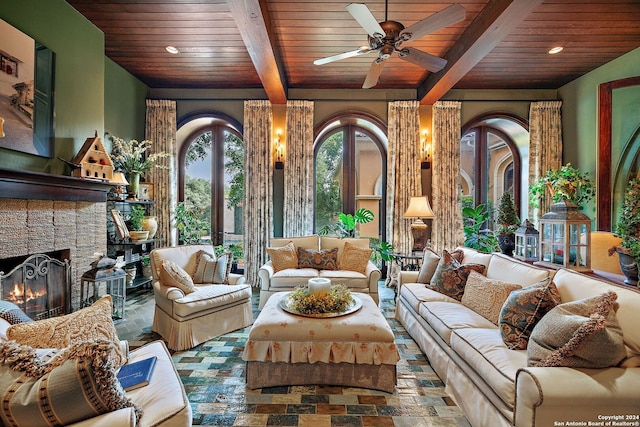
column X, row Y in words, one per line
column 210, row 269
column 12, row 313
column 354, row 258
column 486, row 296
column 171, row 274
column 429, row 264
column 523, row 309
column 87, row 324
column 283, row 257
column 325, row 259
column 579, row 334
column 450, row 276
column 78, row 383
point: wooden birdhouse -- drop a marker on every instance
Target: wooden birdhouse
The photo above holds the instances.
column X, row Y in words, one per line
column 93, row 161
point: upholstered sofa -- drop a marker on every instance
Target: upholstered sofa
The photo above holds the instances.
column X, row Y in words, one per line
column 185, row 319
column 273, row 280
column 496, row 386
column 78, row 379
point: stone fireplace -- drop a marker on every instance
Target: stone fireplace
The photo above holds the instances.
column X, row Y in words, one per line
column 41, row 213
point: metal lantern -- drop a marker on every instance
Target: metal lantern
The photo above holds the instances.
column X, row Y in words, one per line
column 527, row 238
column 96, row 283
column 565, row 238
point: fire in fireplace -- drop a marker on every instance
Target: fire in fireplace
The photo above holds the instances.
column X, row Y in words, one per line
column 39, row 286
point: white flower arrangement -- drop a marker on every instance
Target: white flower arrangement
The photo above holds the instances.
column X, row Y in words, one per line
column 129, row 157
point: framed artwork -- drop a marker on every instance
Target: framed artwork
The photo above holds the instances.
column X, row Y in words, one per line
column 26, row 92
column 145, row 191
column 121, row 226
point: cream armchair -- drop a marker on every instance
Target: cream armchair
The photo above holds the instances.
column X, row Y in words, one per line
column 185, row 320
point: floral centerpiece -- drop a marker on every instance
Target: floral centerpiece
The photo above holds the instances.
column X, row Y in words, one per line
column 337, row 300
column 131, row 158
column 565, row 184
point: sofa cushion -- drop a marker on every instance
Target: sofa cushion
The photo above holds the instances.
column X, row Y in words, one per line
column 486, row 296
column 87, row 324
column 471, row 256
column 292, row 277
column 324, row 259
column 171, row 274
column 77, row 384
column 429, row 264
column 444, row 317
column 579, row 334
column 12, row 313
column 327, row 242
column 283, row 257
column 450, row 276
column 209, row 297
column 502, row 267
column 354, row 258
column 523, row 309
column 350, row 279
column 416, row 293
column 211, row 269
column 307, row 242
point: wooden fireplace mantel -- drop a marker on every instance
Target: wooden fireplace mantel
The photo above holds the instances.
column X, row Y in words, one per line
column 15, row 184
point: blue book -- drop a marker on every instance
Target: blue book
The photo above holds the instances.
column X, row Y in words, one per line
column 137, row 374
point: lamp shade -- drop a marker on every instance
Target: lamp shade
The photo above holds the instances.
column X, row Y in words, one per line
column 118, row 178
column 419, row 208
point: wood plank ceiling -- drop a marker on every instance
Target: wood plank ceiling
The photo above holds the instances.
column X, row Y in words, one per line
column 501, row 44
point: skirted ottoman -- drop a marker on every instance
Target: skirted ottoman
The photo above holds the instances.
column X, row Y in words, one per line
column 354, row 350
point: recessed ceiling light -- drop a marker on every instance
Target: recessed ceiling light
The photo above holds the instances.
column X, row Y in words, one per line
column 555, row 50
column 172, row 49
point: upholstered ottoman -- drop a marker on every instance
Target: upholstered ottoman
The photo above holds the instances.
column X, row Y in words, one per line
column 355, row 350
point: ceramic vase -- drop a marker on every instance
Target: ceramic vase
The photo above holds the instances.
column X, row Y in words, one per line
column 138, row 235
column 134, row 185
column 150, row 224
column 629, row 268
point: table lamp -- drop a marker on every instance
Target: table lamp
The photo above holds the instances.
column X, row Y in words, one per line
column 121, row 181
column 419, row 208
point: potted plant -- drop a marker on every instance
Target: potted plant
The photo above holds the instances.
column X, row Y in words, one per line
column 136, row 217
column 508, row 223
column 628, row 229
column 237, row 252
column 476, row 235
column 145, row 260
column 566, row 184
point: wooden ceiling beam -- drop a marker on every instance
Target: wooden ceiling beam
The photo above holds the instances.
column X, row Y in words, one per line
column 252, row 19
column 491, row 25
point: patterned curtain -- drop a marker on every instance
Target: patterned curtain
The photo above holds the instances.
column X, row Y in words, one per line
column 545, row 147
column 258, row 186
column 447, row 225
column 403, row 166
column 298, row 171
column 161, row 128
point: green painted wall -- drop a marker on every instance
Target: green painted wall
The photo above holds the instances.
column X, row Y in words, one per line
column 124, row 99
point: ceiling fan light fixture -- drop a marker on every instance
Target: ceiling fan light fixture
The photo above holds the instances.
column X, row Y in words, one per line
column 172, row 50
column 556, row 49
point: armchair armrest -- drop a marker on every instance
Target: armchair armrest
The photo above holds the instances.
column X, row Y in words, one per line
column 545, row 395
column 406, row 276
column 236, row 279
column 265, row 273
column 374, row 274
column 168, row 292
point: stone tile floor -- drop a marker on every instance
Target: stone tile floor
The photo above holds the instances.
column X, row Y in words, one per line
column 213, row 376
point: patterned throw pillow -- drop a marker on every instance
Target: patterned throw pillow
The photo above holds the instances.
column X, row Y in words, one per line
column 579, row 334
column 486, row 296
column 325, row 259
column 354, row 258
column 523, row 309
column 429, row 264
column 87, row 324
column 210, row 269
column 171, row 274
column 12, row 313
column 283, row 257
column 450, row 276
column 78, row 383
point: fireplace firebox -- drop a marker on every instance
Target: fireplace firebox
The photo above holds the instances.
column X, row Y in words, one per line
column 40, row 286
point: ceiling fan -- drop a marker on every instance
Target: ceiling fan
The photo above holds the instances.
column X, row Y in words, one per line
column 387, row 37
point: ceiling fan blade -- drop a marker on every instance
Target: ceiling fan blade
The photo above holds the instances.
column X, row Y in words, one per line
column 373, row 74
column 365, row 18
column 423, row 59
column 450, row 15
column 340, row 56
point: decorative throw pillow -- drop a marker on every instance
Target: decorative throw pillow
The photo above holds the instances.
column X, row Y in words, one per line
column 450, row 276
column 486, row 296
column 429, row 264
column 87, row 324
column 78, row 383
column 210, row 269
column 12, row 313
column 523, row 309
column 354, row 258
column 171, row 274
column 579, row 334
column 283, row 257
column 325, row 259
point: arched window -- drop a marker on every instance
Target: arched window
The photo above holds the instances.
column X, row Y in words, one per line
column 211, row 178
column 350, row 173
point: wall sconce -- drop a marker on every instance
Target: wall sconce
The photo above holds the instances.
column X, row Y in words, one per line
column 279, row 152
column 426, row 151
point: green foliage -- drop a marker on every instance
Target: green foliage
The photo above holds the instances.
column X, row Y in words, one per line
column 628, row 226
column 234, row 167
column 567, row 183
column 328, row 171
column 476, row 236
column 136, row 216
column 189, row 224
column 345, row 226
column 382, row 251
column 508, row 220
column 236, row 249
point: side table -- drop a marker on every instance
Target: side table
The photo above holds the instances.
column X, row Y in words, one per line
column 407, row 262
